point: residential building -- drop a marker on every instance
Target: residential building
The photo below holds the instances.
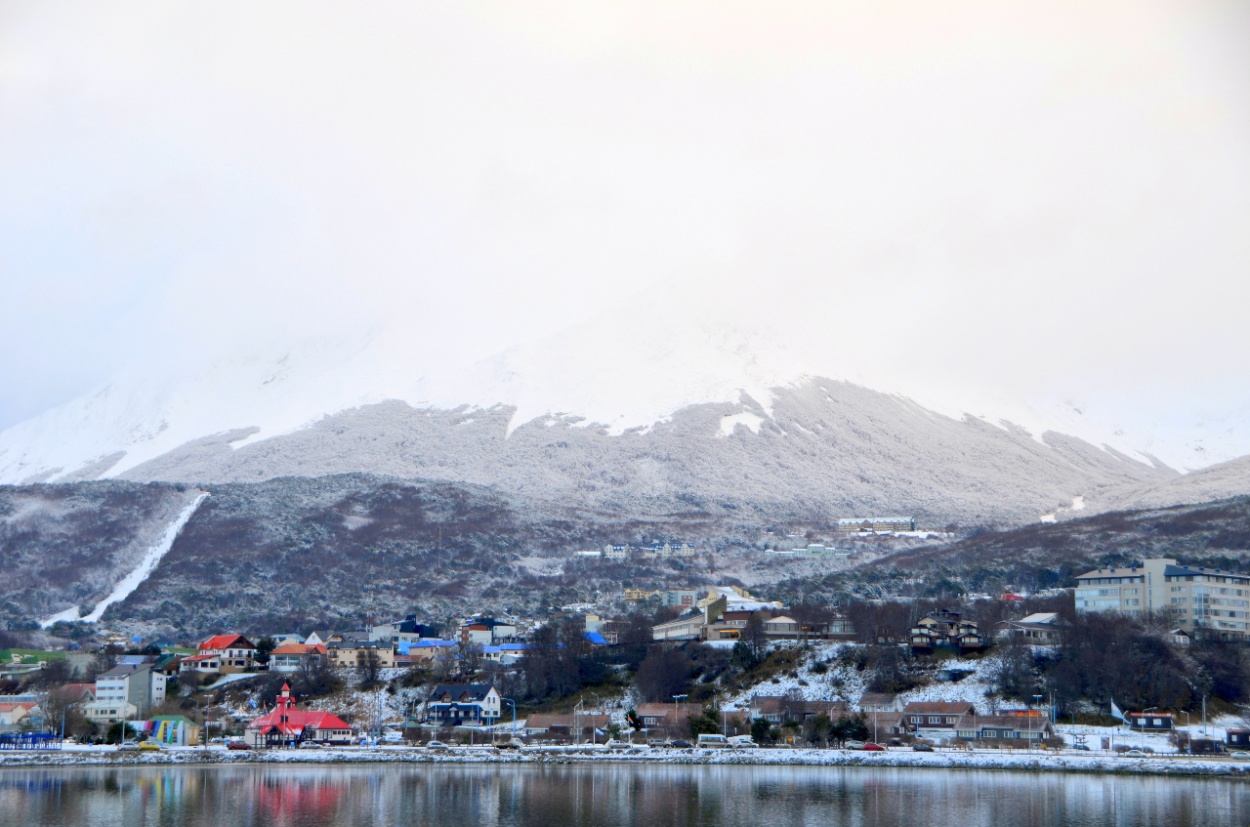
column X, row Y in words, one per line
column 1002, row 728
column 354, row 654
column 1153, row 721
column 292, row 657
column 1039, row 629
column 234, row 653
column 876, row 525
column 1198, row 598
column 945, row 629
column 15, row 714
column 777, row 709
column 935, row 718
column 125, row 690
column 462, row 705
column 880, row 702
column 486, row 631
column 567, row 724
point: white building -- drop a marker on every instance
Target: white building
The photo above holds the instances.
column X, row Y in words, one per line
column 1198, row 598
column 126, row 691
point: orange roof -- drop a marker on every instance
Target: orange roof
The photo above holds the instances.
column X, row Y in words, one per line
column 299, row 649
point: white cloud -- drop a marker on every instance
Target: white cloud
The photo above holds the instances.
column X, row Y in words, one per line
column 1049, row 199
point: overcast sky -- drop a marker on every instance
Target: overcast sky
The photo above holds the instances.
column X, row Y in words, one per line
column 1048, row 197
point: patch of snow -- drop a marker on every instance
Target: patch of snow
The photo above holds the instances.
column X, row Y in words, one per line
column 728, row 423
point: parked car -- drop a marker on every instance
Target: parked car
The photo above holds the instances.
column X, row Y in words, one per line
column 246, row 745
column 1239, row 756
column 302, row 745
column 742, row 742
column 435, row 745
column 871, row 747
column 712, row 741
column 128, row 746
column 1081, row 747
column 1134, row 753
column 149, row 746
column 657, row 743
column 680, row 744
column 854, row 745
column 921, row 747
column 513, row 744
column 617, row 744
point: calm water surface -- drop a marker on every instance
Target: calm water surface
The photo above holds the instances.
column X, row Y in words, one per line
column 554, row 796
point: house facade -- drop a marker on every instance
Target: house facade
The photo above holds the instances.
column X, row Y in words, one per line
column 935, row 719
column 125, row 691
column 471, row 704
column 1028, row 728
column 292, row 657
column 231, row 653
column 945, row 629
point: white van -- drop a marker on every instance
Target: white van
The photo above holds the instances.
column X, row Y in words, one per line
column 742, row 742
column 713, row 742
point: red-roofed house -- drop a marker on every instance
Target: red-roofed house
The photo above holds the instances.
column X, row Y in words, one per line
column 12, row 714
column 235, row 652
column 285, row 725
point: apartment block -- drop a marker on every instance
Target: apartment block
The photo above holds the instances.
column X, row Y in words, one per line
column 1199, row 598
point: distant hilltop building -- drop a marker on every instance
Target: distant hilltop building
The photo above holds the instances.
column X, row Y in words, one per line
column 624, row 552
column 876, row 525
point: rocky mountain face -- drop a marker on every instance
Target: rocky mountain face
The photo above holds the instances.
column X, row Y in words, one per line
column 303, row 553
column 821, row 451
column 67, row 545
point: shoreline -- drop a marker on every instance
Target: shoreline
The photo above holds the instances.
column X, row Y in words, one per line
column 1193, row 767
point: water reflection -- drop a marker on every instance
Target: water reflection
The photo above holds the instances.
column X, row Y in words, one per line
column 554, row 796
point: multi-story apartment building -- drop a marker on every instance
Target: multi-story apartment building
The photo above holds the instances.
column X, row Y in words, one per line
column 126, row 690
column 1199, row 598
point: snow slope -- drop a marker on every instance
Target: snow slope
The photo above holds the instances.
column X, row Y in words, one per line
column 620, row 375
column 135, row 578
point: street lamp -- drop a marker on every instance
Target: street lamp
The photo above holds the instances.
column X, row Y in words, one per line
column 510, row 701
column 682, row 700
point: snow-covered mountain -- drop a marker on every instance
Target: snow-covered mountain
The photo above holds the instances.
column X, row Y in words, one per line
column 636, row 410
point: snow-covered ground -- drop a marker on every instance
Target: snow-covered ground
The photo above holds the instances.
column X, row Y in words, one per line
column 957, row 759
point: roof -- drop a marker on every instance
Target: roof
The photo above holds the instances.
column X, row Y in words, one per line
column 1040, row 618
column 460, row 692
column 218, row 642
column 299, row 649
column 564, row 720
column 938, row 708
column 1017, row 722
column 124, row 670
column 594, row 638
column 297, row 720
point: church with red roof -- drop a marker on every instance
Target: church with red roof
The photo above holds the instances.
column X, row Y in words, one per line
column 286, row 726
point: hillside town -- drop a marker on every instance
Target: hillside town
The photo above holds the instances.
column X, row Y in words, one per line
column 684, row 663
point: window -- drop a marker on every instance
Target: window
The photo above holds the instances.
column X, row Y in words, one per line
column 933, row 719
